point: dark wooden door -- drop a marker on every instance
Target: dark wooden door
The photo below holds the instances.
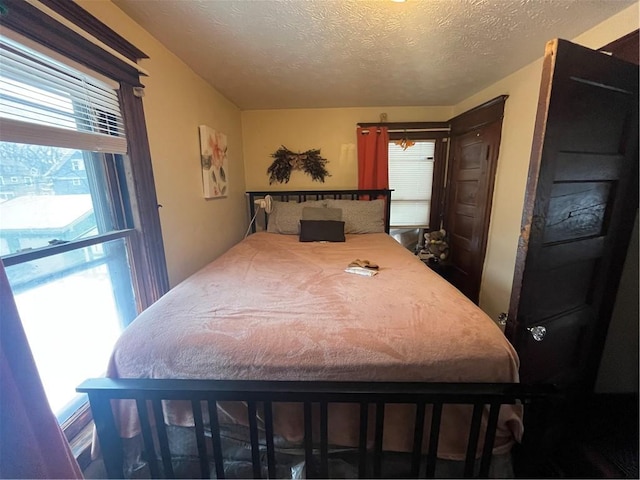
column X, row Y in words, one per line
column 580, row 204
column 473, row 156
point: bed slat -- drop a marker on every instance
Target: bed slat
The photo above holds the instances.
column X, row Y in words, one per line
column 147, row 437
column 212, row 405
column 489, row 439
column 110, row 441
column 268, row 430
column 362, row 446
column 377, row 458
column 200, row 438
column 163, row 440
column 434, row 435
column 324, row 440
column 472, row 444
column 255, row 441
column 308, row 440
column 418, row 436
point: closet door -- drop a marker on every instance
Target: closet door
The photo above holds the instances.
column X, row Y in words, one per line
column 473, row 157
column 580, row 205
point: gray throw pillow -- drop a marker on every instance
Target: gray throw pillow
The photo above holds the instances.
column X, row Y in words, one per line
column 285, row 216
column 361, row 216
column 315, row 213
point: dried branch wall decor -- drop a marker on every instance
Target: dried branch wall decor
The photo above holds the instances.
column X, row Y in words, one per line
column 285, row 160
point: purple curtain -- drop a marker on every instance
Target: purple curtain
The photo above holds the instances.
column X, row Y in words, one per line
column 32, row 444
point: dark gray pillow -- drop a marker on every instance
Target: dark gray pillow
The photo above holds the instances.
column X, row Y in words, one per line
column 321, row 231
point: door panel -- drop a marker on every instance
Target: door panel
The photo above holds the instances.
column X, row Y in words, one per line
column 560, row 354
column 463, row 225
column 474, row 153
column 581, row 199
column 572, row 166
column 466, row 186
column 576, row 210
column 560, row 289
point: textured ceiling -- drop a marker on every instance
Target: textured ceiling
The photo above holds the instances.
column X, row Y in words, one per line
column 264, row 54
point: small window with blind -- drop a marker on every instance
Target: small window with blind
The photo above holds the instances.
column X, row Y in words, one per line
column 411, row 166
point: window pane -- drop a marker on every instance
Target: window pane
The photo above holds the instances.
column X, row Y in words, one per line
column 411, row 178
column 410, row 213
column 38, row 90
column 72, row 306
column 55, row 195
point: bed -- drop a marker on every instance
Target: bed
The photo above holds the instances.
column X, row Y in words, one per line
column 297, row 355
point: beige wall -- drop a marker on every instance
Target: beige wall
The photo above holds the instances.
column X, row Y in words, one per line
column 513, row 163
column 332, row 130
column 176, row 101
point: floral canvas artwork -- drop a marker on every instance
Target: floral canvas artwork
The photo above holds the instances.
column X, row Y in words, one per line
column 215, row 166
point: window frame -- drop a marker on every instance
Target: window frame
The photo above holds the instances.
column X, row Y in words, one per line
column 395, row 172
column 438, row 131
column 148, row 262
column 147, row 259
column 436, row 215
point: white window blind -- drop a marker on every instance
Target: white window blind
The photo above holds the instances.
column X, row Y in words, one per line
column 45, row 102
column 411, row 178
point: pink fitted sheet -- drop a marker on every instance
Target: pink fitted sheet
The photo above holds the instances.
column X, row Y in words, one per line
column 273, row 308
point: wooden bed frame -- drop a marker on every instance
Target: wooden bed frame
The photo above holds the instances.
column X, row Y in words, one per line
column 483, row 397
column 305, row 195
column 144, row 391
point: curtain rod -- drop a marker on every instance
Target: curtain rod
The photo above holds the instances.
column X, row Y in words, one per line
column 86, row 35
column 408, row 130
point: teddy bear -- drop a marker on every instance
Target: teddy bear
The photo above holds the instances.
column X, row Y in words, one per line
column 435, row 246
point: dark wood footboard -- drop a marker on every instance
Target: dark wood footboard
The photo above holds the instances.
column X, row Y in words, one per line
column 151, row 392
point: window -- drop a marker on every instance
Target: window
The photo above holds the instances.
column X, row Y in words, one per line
column 411, row 178
column 74, row 301
column 417, row 167
column 117, row 236
column 77, row 165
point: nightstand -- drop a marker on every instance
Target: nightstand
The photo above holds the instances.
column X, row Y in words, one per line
column 441, row 267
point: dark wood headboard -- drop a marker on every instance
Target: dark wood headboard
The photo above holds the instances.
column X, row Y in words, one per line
column 304, row 195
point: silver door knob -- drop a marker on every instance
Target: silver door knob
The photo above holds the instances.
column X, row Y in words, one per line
column 537, row 333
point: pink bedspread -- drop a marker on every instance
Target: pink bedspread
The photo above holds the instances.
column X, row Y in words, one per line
column 273, row 308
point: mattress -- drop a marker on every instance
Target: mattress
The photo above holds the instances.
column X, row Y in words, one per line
column 274, row 308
